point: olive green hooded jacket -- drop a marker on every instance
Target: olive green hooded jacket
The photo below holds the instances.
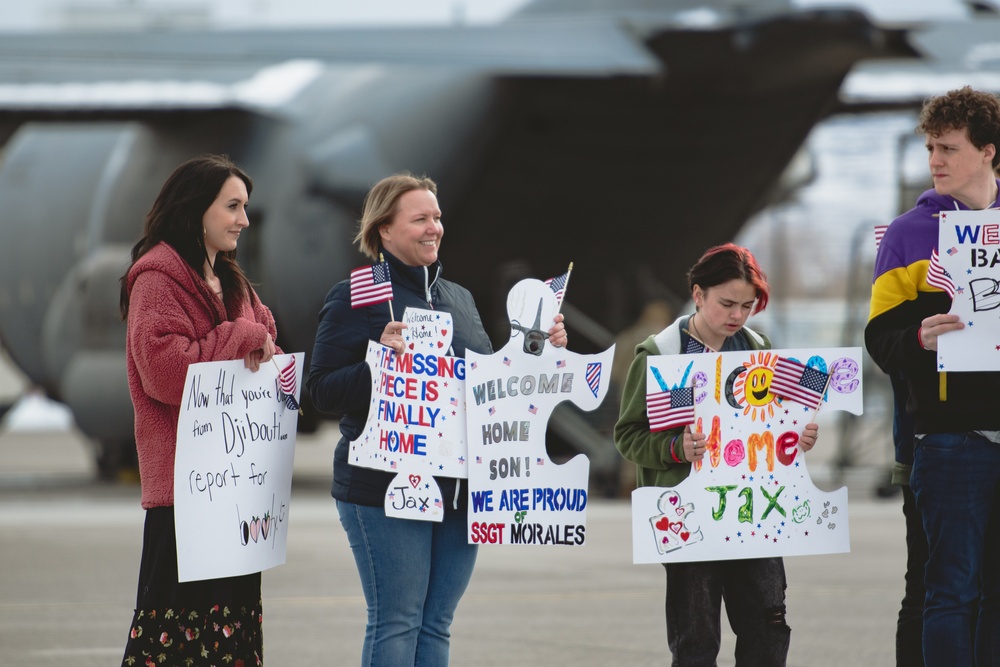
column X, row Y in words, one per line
column 651, row 451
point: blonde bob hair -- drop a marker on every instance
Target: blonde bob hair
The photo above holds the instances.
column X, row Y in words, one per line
column 380, row 206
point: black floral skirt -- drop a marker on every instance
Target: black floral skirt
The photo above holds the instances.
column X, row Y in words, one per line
column 215, row 622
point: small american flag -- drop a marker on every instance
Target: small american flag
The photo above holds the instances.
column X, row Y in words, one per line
column 938, row 277
column 453, row 401
column 539, row 462
column 286, row 382
column 694, row 346
column 594, row 377
column 437, row 502
column 506, row 361
column 671, row 408
column 561, row 363
column 558, row 285
column 798, row 382
column 533, row 409
column 370, row 284
column 879, row 233
column 492, row 410
column 286, row 378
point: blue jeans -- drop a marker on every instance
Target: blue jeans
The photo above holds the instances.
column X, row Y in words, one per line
column 754, row 591
column 413, row 574
column 955, row 481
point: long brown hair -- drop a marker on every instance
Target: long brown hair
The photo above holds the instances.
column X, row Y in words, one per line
column 176, row 219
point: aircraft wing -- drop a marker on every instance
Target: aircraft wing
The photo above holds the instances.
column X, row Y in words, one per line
column 953, row 53
column 262, row 69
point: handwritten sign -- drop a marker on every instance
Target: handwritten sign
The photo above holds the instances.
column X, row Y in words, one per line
column 233, row 467
column 517, row 494
column 416, row 417
column 968, row 257
column 415, row 497
column 751, row 496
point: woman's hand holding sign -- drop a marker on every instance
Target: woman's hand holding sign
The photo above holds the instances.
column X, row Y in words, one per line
column 393, row 336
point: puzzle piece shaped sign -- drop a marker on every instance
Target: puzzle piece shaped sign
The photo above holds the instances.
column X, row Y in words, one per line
column 416, row 418
column 751, row 496
column 517, row 494
column 966, row 267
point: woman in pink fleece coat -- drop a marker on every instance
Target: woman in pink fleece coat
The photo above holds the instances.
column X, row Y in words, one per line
column 186, row 300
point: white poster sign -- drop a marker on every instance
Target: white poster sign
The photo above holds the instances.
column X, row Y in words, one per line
column 233, row 466
column 967, row 260
column 517, row 494
column 416, row 418
column 751, row 496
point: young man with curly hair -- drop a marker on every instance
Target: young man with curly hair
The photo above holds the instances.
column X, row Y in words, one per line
column 956, row 452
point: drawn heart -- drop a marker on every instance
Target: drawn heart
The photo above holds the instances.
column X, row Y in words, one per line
column 265, row 527
column 674, row 499
column 414, row 480
column 663, row 524
column 680, row 511
column 255, row 529
column 440, row 344
column 411, row 346
column 444, row 332
column 685, row 535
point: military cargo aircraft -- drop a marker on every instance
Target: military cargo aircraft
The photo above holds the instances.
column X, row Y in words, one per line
column 625, row 136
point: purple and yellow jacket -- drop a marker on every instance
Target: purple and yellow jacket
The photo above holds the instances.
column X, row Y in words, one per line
column 901, row 299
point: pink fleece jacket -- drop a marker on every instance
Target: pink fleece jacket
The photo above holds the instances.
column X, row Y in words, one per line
column 174, row 320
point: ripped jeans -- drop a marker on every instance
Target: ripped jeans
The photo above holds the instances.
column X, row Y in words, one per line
column 754, row 591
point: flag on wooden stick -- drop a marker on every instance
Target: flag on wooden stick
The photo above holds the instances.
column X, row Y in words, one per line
column 287, row 384
column 799, row 382
column 670, row 409
column 370, row 284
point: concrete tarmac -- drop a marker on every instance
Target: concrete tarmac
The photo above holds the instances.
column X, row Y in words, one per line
column 70, row 548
